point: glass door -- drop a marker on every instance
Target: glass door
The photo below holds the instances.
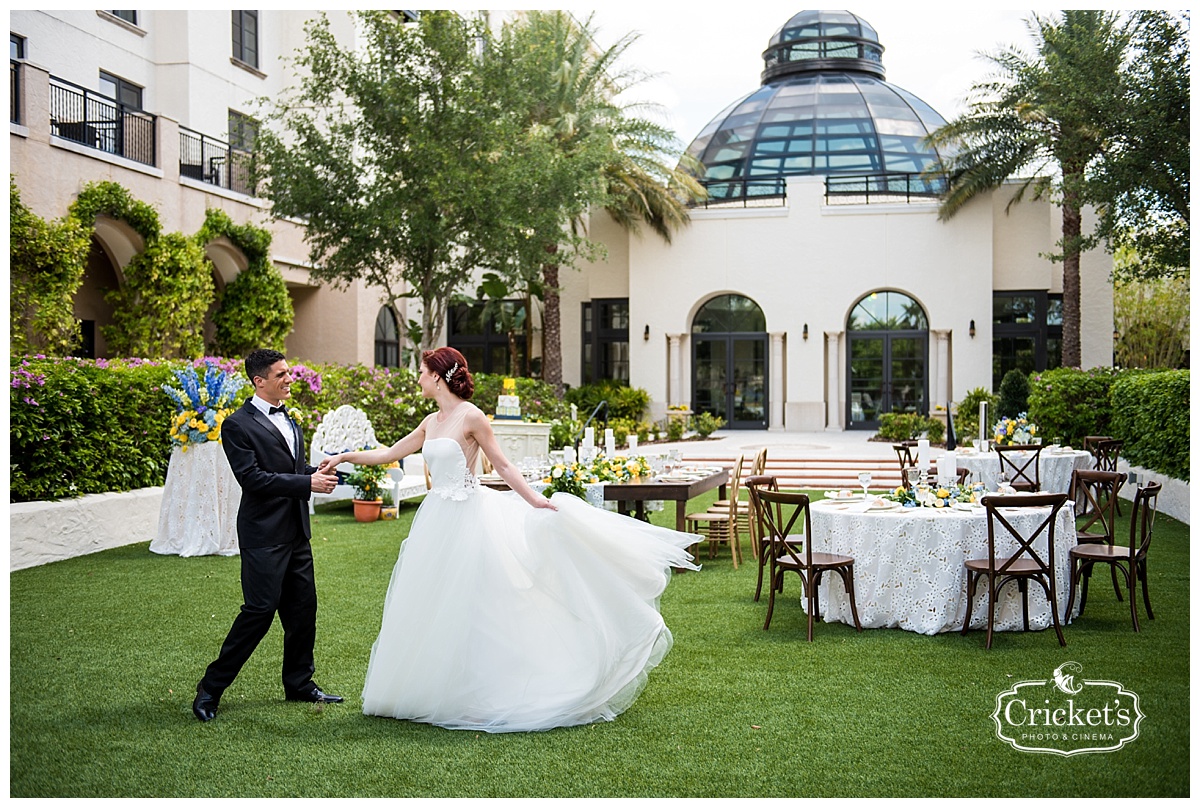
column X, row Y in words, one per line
column 730, row 378
column 888, row 373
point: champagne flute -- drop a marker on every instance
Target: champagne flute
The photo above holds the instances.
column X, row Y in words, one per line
column 864, row 479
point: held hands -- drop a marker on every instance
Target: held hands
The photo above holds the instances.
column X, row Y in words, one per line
column 327, row 465
column 323, row 483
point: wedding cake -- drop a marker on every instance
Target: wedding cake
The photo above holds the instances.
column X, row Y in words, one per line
column 508, row 405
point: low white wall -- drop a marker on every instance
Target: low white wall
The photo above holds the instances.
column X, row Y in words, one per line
column 41, row 532
column 1175, row 499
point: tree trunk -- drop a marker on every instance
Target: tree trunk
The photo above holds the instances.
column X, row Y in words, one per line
column 551, row 327
column 1071, row 229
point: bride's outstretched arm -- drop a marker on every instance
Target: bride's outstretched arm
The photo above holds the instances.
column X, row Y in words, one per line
column 377, row 457
column 478, row 427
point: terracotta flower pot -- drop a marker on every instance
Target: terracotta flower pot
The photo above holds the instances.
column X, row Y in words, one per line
column 367, row 510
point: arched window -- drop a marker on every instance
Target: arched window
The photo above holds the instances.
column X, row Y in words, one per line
column 387, row 339
column 729, row 314
column 887, row 311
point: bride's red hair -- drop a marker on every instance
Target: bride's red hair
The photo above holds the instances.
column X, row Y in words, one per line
column 448, row 360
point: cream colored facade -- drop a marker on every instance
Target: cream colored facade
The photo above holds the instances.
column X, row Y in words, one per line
column 182, row 61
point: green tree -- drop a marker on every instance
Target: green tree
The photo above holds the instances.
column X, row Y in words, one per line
column 571, row 90
column 46, row 266
column 386, row 149
column 1040, row 119
column 1145, row 178
column 1152, row 321
column 1013, row 394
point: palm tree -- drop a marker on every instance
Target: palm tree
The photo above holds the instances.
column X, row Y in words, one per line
column 1039, row 119
column 576, row 97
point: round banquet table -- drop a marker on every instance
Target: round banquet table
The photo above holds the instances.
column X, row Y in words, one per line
column 1054, row 467
column 200, row 502
column 909, row 565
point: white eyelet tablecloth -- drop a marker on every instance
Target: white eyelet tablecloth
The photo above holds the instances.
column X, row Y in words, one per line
column 1054, row 468
column 200, row 502
column 909, row 566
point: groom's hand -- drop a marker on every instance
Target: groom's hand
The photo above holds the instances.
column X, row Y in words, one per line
column 328, row 464
column 323, row 483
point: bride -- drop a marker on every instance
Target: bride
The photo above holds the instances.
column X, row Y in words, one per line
column 510, row 612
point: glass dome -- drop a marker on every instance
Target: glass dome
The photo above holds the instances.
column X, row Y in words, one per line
column 823, row 108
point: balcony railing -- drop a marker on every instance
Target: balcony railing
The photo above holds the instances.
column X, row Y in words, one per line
column 879, row 188
column 213, row 161
column 14, row 87
column 99, row 122
column 767, row 192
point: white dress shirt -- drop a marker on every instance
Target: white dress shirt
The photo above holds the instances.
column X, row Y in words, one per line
column 281, row 422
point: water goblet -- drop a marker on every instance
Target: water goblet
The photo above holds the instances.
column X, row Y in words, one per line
column 864, row 479
column 913, row 475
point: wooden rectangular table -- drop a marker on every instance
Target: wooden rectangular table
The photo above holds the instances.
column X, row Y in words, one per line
column 642, row 491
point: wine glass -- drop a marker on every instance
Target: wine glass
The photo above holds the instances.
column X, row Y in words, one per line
column 913, row 475
column 864, row 479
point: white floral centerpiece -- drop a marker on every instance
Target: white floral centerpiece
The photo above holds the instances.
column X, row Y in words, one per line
column 346, row 429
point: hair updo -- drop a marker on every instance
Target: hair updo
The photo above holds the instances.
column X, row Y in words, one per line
column 443, row 361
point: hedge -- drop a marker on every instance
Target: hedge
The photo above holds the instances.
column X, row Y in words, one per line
column 1151, row 412
column 1071, row 403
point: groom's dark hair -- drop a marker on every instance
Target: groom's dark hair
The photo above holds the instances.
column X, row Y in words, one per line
column 259, row 362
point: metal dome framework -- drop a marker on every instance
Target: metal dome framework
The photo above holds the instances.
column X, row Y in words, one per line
column 823, row 109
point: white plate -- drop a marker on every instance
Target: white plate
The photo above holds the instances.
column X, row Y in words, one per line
column 843, row 496
column 967, row 506
column 885, row 505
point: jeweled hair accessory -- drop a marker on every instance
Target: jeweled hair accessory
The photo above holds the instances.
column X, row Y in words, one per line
column 451, row 372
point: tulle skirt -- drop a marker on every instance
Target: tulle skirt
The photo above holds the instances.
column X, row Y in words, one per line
column 504, row 618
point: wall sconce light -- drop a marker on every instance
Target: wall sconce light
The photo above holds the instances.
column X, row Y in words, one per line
column 971, row 330
column 1116, row 335
column 806, row 330
column 646, row 333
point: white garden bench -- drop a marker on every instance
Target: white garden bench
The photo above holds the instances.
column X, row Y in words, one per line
column 348, row 429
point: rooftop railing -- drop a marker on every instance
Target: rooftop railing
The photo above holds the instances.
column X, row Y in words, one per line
column 215, row 162
column 771, row 192
column 99, row 122
column 880, row 188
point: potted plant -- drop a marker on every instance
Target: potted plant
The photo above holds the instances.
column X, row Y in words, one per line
column 368, row 486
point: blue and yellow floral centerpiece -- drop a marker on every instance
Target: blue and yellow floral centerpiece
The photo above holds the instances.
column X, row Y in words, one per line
column 201, row 404
column 572, row 478
column 937, row 496
column 569, row 478
column 1014, row 431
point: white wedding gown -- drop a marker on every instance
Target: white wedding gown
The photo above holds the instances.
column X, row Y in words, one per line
column 505, row 618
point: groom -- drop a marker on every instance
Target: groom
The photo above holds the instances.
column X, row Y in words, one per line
column 266, row 452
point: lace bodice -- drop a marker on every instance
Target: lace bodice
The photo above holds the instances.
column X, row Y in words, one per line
column 450, row 455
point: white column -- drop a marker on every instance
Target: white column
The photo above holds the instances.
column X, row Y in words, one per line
column 675, row 360
column 833, row 385
column 941, row 387
column 777, row 370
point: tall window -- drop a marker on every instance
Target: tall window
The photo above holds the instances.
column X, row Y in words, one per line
column 245, row 37
column 606, row 340
column 482, row 340
column 1026, row 332
column 242, row 131
column 16, row 50
column 16, row 46
column 125, row 92
column 387, row 339
column 129, row 16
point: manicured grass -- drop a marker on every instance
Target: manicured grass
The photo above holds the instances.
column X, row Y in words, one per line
column 106, row 651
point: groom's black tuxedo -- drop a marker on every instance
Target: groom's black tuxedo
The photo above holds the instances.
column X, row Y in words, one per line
column 273, row 538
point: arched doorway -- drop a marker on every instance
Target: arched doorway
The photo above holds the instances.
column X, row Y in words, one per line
column 888, row 358
column 729, row 362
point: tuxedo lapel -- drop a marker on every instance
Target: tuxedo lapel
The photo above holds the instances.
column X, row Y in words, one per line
column 266, row 424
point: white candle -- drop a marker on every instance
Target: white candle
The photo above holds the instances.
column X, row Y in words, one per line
column 589, row 436
column 946, row 469
column 568, row 454
column 610, row 443
column 923, row 454
column 632, row 444
column 983, row 426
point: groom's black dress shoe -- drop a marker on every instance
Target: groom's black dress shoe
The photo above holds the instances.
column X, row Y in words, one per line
column 316, row 695
column 205, row 705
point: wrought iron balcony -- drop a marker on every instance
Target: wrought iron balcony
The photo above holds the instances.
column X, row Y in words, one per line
column 767, row 192
column 215, row 162
column 99, row 122
column 881, row 188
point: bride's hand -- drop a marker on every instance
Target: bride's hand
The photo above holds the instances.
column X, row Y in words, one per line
column 542, row 502
column 330, row 463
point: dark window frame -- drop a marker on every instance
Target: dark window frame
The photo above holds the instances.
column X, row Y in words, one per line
column 241, row 39
column 387, row 341
column 1041, row 330
column 482, row 343
column 127, row 94
column 595, row 343
column 130, row 17
column 243, row 129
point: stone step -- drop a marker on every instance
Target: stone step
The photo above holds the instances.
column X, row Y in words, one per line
column 822, row 472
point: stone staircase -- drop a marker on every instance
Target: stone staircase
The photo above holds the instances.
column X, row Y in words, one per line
column 818, row 472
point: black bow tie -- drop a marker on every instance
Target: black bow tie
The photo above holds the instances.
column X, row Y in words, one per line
column 281, row 408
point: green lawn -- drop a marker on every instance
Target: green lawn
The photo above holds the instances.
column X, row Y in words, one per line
column 106, row 651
